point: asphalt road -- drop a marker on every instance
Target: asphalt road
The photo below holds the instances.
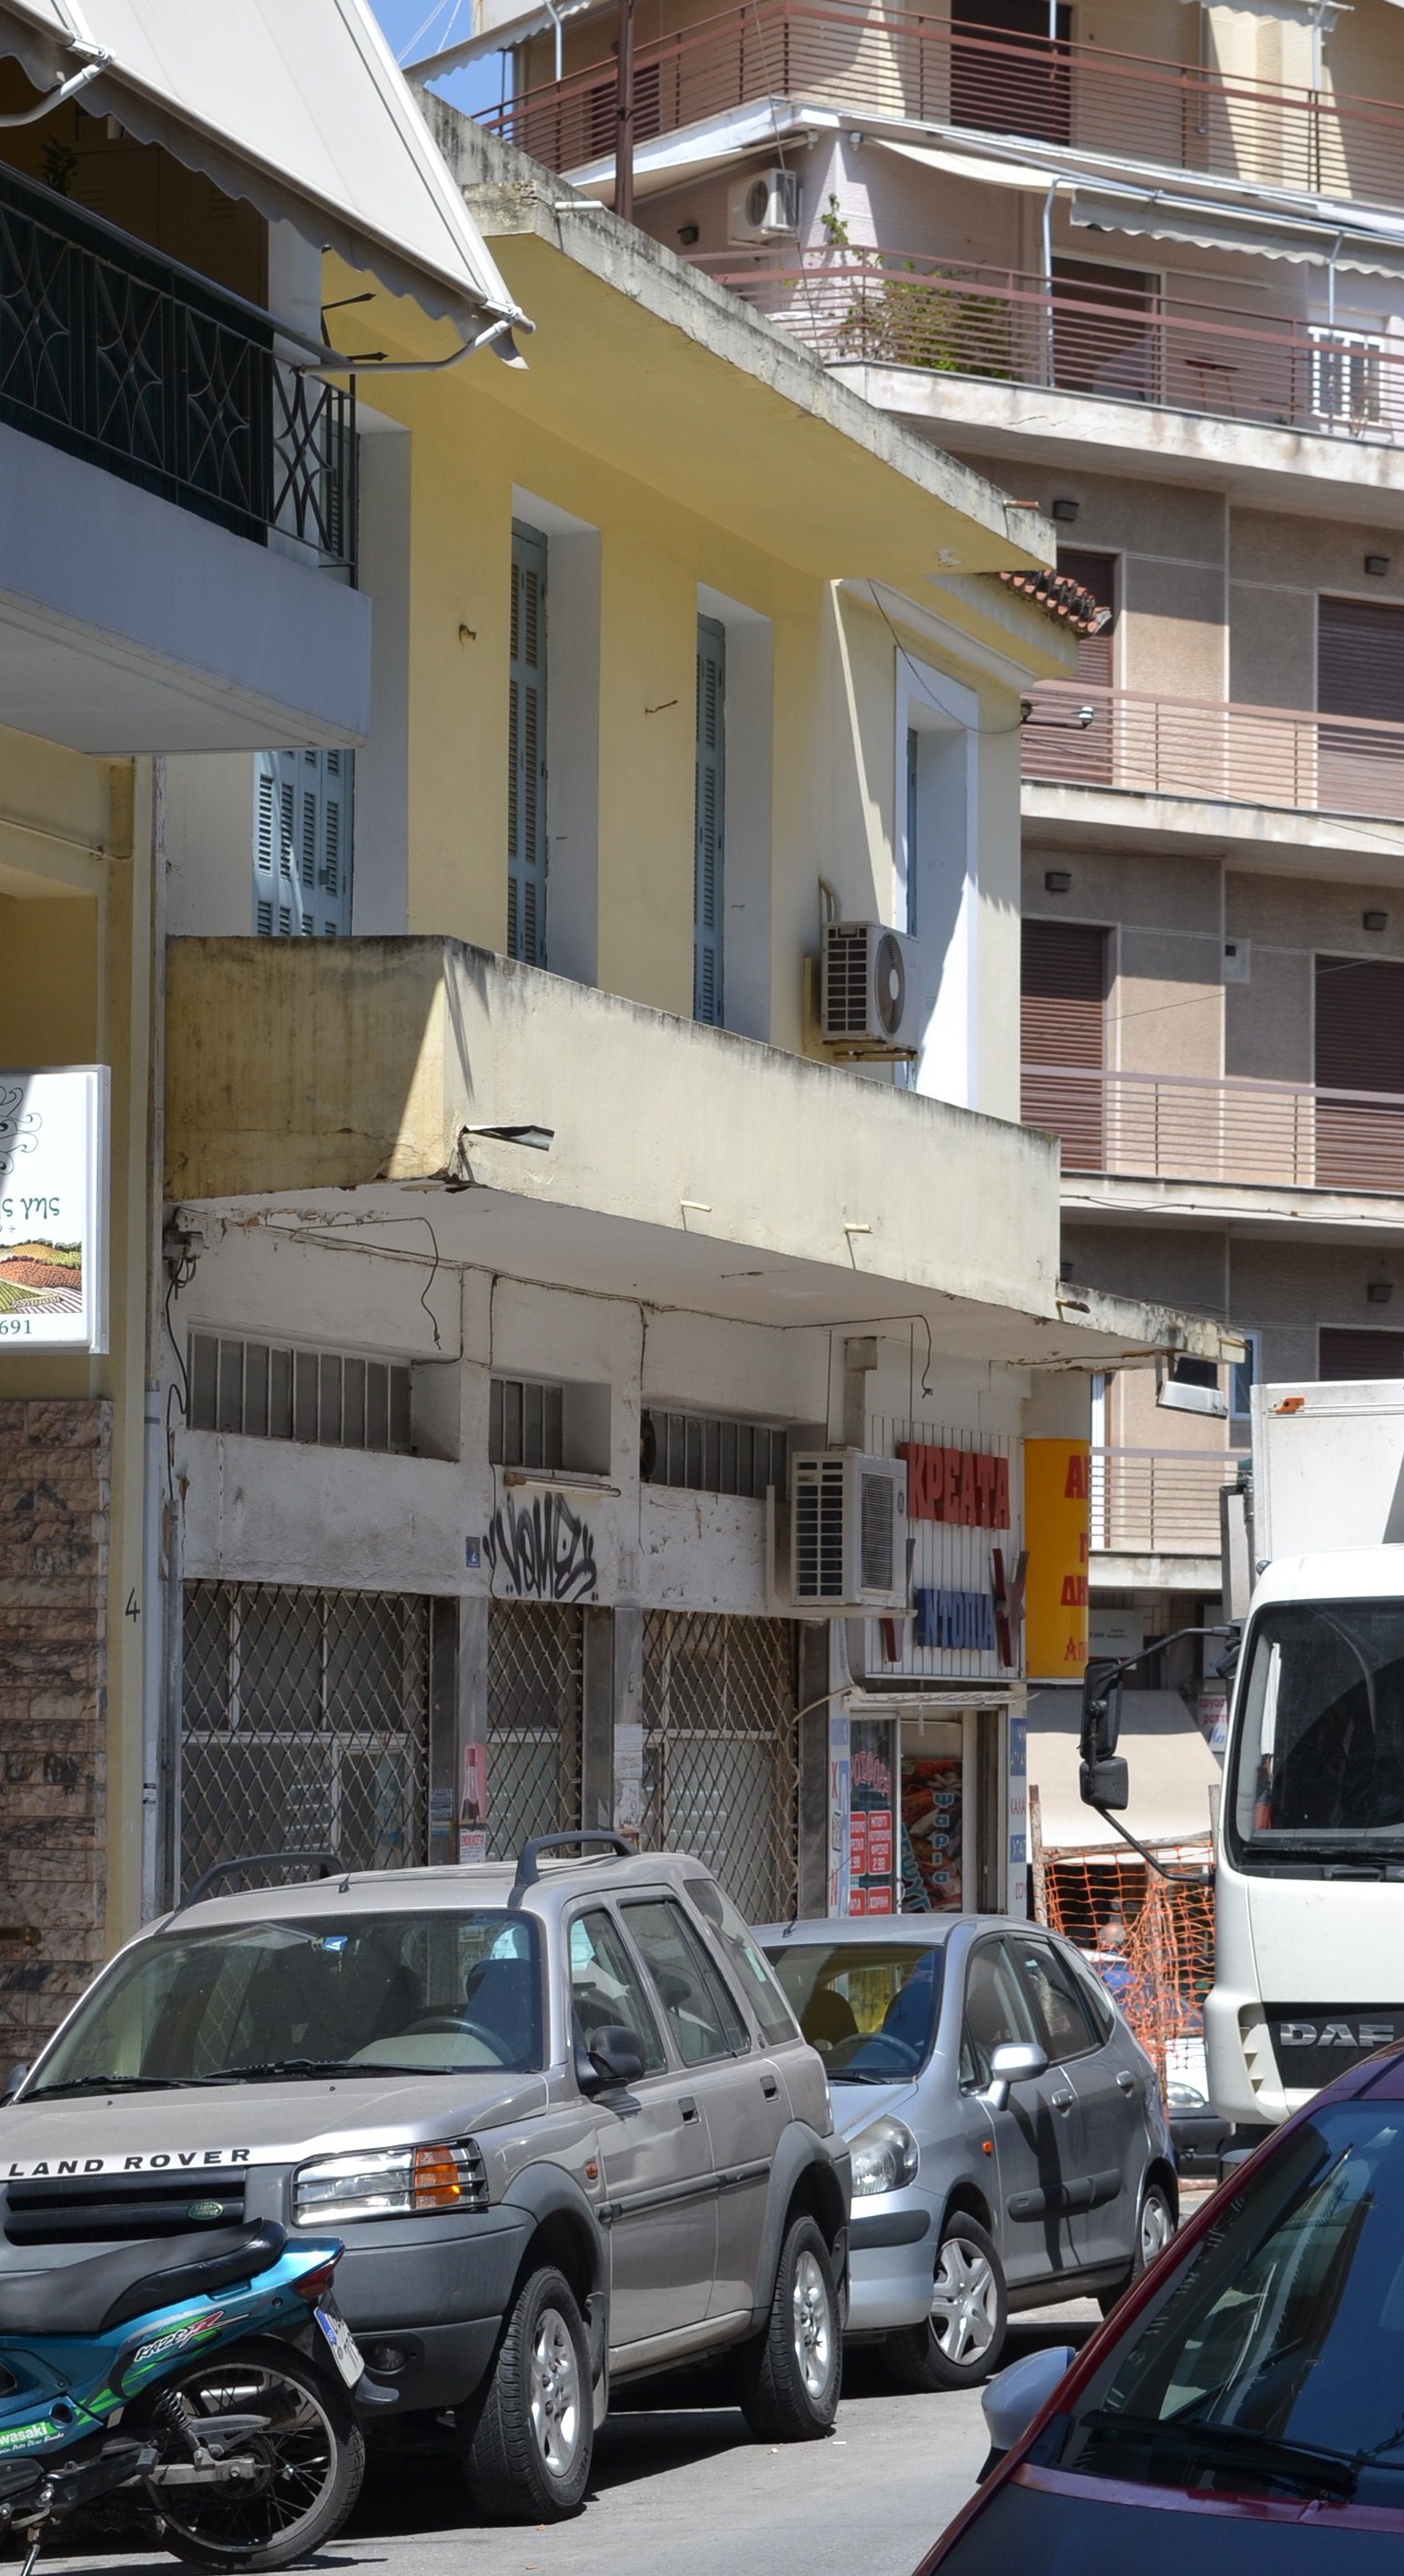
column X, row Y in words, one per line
column 690, row 2493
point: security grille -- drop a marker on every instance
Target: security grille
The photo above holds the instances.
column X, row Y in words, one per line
column 720, row 1770
column 304, row 1725
column 330, row 1397
column 525, row 1423
column 710, row 1453
column 535, row 1668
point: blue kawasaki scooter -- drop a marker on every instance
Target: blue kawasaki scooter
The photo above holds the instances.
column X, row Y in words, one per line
column 210, row 2375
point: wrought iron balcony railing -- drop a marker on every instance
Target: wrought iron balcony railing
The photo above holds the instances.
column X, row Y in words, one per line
column 896, row 65
column 1184, row 1127
column 1157, row 1502
column 1081, row 336
column 136, row 364
column 1222, row 754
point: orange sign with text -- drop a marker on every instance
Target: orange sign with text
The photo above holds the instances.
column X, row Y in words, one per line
column 1056, row 1529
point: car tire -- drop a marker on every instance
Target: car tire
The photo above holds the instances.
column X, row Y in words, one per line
column 961, row 2340
column 532, row 2434
column 1155, row 2225
column 789, row 2378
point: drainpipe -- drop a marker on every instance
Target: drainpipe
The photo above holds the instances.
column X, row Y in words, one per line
column 1048, row 353
column 624, row 133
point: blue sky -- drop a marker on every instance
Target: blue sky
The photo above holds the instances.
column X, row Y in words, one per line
column 416, row 27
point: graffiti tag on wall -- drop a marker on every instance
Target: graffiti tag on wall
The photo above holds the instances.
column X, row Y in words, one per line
column 542, row 1550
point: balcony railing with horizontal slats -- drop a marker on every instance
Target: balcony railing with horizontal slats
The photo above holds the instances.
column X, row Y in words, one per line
column 1221, row 753
column 901, row 67
column 1108, row 343
column 1183, row 1127
column 1157, row 1502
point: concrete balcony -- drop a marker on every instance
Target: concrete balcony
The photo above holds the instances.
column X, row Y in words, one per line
column 1037, row 369
column 375, row 1082
column 1259, row 1152
column 1288, row 787
column 1154, row 1517
column 1090, row 102
column 177, row 505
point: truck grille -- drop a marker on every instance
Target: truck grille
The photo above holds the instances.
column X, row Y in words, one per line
column 100, row 2208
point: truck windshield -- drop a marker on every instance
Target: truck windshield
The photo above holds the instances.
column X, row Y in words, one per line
column 424, row 1994
column 1318, row 1753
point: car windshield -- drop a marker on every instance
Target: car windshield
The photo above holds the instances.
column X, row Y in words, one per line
column 1274, row 2359
column 869, row 2007
column 431, row 1993
column 1318, row 1758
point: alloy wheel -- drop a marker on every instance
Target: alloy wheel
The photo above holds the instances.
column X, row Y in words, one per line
column 1156, row 2228
column 555, row 2393
column 964, row 2301
column 813, row 2325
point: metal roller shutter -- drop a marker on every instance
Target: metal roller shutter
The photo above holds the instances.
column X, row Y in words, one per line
column 1360, row 673
column 1063, row 1009
column 1346, row 1354
column 1360, row 1048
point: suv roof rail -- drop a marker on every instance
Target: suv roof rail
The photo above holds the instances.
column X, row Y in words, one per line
column 324, row 1862
column 529, row 1862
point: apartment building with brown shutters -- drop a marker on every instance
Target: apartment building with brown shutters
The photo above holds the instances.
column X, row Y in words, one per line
column 1145, row 267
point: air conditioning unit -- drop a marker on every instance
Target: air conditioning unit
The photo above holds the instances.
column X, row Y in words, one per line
column 848, row 1532
column 868, row 989
column 765, row 208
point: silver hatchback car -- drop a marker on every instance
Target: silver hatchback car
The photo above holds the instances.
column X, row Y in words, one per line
column 1008, row 2139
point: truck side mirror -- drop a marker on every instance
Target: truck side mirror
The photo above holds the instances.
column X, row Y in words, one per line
column 1102, row 1774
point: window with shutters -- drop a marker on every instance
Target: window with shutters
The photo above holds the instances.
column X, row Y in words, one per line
column 526, row 751
column 1063, row 1042
column 1360, row 673
column 707, row 997
column 302, row 844
column 1360, row 1049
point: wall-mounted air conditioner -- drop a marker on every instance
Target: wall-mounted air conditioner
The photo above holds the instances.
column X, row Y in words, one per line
column 868, row 989
column 764, row 208
column 848, row 1533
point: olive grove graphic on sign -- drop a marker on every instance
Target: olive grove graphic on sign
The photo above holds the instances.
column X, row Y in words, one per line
column 53, row 1189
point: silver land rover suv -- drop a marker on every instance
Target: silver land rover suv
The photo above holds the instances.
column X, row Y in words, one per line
column 562, row 2118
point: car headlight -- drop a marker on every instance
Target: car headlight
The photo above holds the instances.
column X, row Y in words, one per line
column 885, row 2157
column 390, row 2182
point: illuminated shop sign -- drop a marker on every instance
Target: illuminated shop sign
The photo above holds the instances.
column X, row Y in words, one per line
column 964, row 1486
column 53, row 1209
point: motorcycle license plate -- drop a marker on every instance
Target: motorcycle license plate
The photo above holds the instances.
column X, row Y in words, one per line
column 345, row 2350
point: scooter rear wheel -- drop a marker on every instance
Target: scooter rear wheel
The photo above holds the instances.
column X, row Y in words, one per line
column 309, row 2462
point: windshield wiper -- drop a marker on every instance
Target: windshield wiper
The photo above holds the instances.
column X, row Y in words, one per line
column 1230, row 2446
column 105, row 2084
column 268, row 2070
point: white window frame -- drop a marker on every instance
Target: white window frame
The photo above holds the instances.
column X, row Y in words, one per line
column 945, row 716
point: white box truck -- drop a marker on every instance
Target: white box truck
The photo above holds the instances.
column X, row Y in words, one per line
column 1309, row 1847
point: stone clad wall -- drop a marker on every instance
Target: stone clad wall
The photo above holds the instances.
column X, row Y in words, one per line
column 54, row 1528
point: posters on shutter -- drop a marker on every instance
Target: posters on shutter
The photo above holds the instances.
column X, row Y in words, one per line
column 53, row 1208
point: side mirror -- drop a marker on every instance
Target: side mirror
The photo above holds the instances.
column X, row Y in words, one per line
column 1013, row 2398
column 1015, row 2061
column 1102, row 1774
column 614, row 2057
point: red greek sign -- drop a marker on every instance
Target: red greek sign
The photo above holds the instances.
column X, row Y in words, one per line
column 961, row 1485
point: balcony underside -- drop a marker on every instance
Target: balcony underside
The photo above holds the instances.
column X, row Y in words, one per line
column 130, row 624
column 335, row 1085
column 1254, row 840
column 1236, row 1207
column 1110, row 1570
column 1255, row 465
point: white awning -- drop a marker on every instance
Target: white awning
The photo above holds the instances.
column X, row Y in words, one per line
column 1169, row 1762
column 1216, row 226
column 296, row 105
column 974, row 165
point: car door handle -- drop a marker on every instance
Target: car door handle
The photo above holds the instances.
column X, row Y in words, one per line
column 687, row 2106
column 1062, row 2101
column 1126, row 2080
column 769, row 2087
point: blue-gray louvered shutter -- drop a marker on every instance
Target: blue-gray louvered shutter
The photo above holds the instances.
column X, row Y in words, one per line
column 526, row 724
column 302, row 843
column 707, row 1001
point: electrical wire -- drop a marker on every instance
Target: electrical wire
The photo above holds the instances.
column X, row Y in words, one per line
column 919, row 671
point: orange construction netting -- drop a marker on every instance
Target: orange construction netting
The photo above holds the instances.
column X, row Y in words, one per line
column 1150, row 1939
